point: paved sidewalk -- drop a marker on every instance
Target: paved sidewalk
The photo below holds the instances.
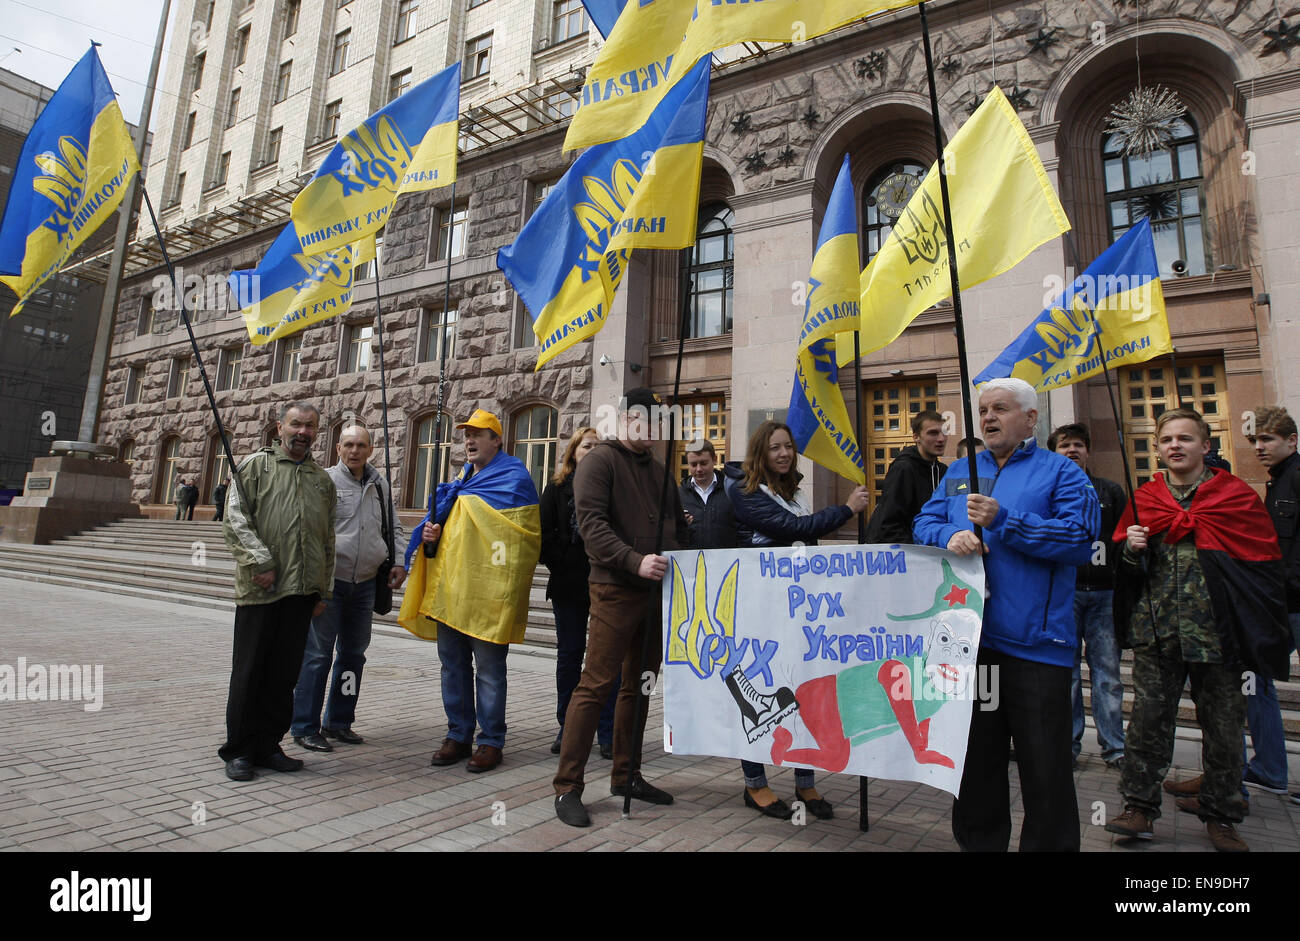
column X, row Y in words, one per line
column 142, row 771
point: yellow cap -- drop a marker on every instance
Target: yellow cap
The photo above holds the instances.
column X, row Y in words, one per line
column 483, row 419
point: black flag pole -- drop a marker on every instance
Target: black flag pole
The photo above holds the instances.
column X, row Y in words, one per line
column 431, row 550
column 959, row 325
column 198, row 356
column 648, row 628
column 863, row 781
column 383, row 399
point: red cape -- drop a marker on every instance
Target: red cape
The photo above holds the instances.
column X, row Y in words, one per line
column 1225, row 515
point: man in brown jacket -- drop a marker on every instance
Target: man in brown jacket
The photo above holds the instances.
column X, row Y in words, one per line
column 617, row 490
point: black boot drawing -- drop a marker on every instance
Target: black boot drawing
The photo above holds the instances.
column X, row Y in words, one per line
column 759, row 712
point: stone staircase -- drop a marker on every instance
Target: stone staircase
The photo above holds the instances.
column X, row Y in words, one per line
column 188, row 563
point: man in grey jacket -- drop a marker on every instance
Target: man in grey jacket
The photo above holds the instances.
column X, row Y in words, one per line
column 360, row 549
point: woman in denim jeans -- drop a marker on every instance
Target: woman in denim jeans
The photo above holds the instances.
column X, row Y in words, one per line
column 563, row 554
column 771, row 509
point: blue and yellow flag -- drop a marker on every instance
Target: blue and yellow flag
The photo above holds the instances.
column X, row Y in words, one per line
column 639, row 192
column 1003, row 207
column 479, row 579
column 407, row 146
column 289, row 290
column 817, row 416
column 1115, row 309
column 71, row 175
column 604, row 13
column 656, row 42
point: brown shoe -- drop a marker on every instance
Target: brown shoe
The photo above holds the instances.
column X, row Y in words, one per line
column 486, row 757
column 1188, row 788
column 1190, row 805
column 451, row 752
column 1132, row 823
column 1225, row 838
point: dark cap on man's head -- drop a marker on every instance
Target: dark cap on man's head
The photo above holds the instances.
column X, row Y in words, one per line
column 643, row 397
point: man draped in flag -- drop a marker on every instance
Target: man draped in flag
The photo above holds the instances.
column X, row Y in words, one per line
column 1003, row 207
column 655, row 43
column 639, row 192
column 407, row 146
column 71, row 175
column 484, row 536
column 1115, row 309
column 289, row 290
column 817, row 417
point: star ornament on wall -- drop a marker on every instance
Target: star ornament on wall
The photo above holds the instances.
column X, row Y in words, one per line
column 756, row 161
column 786, row 157
column 1145, row 120
column 1045, row 39
column 740, row 123
column 1281, row 39
column 950, row 68
column 873, row 66
column 1019, row 98
column 811, row 117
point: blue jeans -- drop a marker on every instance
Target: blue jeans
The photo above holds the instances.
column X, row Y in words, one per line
column 1095, row 626
column 571, row 645
column 1264, row 720
column 345, row 622
column 756, row 775
column 462, row 688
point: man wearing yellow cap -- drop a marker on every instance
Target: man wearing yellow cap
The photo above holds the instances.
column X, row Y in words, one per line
column 471, row 566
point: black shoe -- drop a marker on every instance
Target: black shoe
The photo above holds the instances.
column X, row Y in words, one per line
column 643, row 791
column 240, row 769
column 279, row 761
column 778, row 808
column 819, row 807
column 607, row 752
column 569, row 809
column 555, row 745
column 346, row 736
column 313, row 742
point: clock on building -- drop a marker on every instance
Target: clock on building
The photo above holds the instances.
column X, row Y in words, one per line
column 894, row 191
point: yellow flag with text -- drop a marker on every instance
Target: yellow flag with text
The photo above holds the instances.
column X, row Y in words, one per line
column 1003, row 207
column 656, row 42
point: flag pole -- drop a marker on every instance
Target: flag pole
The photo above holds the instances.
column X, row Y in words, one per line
column 383, row 399
column 431, row 550
column 198, row 356
column 959, row 325
column 108, row 306
column 863, row 823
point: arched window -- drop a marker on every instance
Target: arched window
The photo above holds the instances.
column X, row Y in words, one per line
column 432, row 463
column 883, row 200
column 169, row 470
column 1164, row 186
column 709, row 272
column 535, row 429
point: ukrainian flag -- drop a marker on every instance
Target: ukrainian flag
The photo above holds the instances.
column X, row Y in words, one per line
column 71, row 175
column 604, row 13
column 407, row 146
column 655, row 43
column 1115, row 309
column 479, row 579
column 1003, row 207
column 817, row 416
column 639, row 192
column 289, row 290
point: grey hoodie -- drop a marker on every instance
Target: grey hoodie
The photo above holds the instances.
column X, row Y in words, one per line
column 359, row 545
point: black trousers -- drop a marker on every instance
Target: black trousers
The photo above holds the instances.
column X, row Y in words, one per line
column 1033, row 710
column 267, row 656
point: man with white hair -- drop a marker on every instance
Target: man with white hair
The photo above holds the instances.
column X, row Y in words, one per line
column 1038, row 516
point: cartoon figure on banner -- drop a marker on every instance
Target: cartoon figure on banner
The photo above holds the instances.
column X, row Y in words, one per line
column 893, row 693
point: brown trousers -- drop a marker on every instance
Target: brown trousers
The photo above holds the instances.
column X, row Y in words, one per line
column 616, row 632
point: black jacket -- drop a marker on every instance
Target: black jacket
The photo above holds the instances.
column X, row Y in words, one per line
column 562, row 550
column 1112, row 498
column 1282, row 499
column 714, row 524
column 758, row 514
column 910, row 482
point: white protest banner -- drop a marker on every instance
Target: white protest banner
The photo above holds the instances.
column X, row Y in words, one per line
column 853, row 659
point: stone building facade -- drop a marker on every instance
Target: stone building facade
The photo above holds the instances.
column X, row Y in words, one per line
column 780, row 122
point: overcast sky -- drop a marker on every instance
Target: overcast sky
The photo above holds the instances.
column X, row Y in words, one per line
column 54, row 34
